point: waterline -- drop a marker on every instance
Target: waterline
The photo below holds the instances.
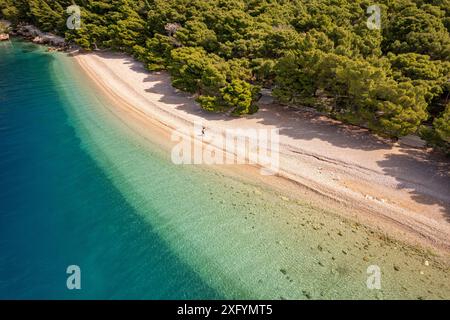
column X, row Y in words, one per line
column 140, row 226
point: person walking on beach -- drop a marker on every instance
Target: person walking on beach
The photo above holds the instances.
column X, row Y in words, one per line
column 203, row 130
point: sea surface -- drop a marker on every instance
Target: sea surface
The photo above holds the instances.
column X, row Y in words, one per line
column 78, row 186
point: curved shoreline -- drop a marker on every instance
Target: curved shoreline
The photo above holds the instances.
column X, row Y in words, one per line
column 357, row 188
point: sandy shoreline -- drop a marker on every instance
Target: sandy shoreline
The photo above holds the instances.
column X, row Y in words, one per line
column 403, row 192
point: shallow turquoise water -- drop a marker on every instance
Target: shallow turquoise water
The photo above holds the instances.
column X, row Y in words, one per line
column 57, row 207
column 79, row 186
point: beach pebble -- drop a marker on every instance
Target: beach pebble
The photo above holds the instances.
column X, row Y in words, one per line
column 307, row 294
column 284, row 198
column 426, row 263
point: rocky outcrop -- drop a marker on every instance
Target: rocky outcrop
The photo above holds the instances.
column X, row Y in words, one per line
column 4, row 30
column 37, row 36
column 266, row 97
column 412, row 141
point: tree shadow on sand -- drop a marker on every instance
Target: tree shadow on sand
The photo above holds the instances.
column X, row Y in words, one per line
column 426, row 176
column 295, row 123
column 418, row 171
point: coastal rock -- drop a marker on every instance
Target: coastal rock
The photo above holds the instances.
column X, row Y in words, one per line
column 6, row 23
column 266, row 97
column 412, row 141
column 39, row 37
column 4, row 30
column 38, row 40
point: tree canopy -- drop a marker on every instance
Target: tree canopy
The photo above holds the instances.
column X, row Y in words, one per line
column 320, row 53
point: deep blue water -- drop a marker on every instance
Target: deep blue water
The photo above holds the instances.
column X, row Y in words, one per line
column 58, row 208
column 82, row 184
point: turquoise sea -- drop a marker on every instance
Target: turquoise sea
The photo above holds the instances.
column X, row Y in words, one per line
column 79, row 187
